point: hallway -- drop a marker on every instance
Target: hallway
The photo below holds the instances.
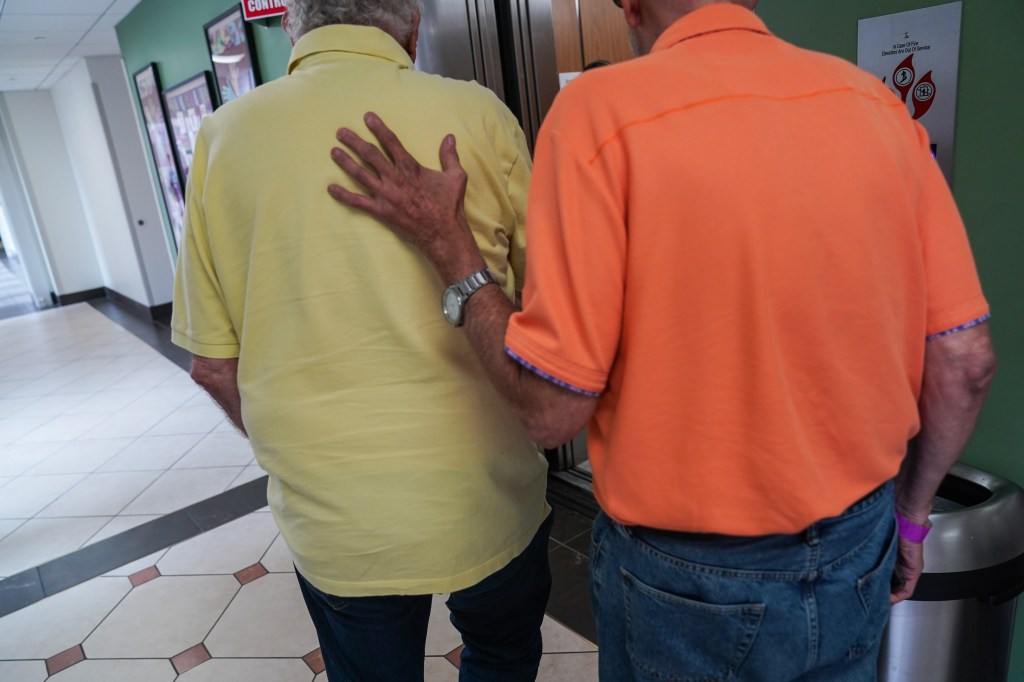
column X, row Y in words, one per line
column 135, row 543
column 15, row 298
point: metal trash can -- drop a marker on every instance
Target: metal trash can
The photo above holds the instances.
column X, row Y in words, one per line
column 958, row 626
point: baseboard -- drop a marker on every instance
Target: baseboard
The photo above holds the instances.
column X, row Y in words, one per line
column 129, row 304
column 78, row 296
column 156, row 313
column 161, row 313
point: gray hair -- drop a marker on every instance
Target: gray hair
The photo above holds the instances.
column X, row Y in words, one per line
column 395, row 17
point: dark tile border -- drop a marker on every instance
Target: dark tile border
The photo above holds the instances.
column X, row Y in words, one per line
column 571, row 494
column 154, row 333
column 35, row 584
column 568, row 604
column 20, row 590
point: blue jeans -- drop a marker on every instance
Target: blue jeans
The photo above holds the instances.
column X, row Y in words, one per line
column 369, row 639
column 702, row 608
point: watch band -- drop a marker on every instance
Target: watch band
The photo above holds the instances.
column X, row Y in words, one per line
column 908, row 530
column 472, row 282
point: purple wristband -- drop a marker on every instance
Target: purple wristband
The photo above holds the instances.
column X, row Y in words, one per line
column 908, row 530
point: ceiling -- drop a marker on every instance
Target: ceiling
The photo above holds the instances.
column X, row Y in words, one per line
column 41, row 40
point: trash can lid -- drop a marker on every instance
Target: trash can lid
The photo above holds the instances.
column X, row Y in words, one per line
column 977, row 522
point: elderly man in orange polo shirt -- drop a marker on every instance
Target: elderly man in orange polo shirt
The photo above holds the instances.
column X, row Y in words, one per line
column 748, row 275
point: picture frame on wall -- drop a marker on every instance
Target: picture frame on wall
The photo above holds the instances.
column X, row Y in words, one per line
column 187, row 103
column 229, row 41
column 154, row 115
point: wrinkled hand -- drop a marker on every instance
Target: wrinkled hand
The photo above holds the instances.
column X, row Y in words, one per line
column 909, row 560
column 423, row 206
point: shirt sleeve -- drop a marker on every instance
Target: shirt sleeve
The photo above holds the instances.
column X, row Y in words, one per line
column 569, row 329
column 955, row 299
column 200, row 322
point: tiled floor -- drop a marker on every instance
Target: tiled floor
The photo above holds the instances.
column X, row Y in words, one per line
column 134, row 539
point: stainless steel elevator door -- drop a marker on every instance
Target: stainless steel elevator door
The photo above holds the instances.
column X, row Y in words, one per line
column 459, row 39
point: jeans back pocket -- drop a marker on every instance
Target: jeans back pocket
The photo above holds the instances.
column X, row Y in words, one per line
column 670, row 637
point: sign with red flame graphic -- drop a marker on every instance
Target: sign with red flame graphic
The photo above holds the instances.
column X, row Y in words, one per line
column 924, row 90
column 917, row 55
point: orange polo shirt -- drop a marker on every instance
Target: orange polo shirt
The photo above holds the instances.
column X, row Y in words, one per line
column 741, row 246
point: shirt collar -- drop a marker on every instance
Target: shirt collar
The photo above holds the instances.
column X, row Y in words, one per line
column 364, row 40
column 720, row 16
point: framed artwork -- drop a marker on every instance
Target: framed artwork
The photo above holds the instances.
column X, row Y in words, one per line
column 187, row 103
column 147, row 85
column 229, row 39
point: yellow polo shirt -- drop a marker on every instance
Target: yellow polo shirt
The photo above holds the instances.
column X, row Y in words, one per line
column 395, row 467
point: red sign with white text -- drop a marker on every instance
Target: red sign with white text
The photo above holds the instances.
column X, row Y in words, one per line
column 261, row 9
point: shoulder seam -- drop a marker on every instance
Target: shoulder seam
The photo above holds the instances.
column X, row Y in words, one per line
column 614, row 137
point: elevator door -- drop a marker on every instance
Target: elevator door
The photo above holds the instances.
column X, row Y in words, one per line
column 588, row 31
column 459, row 39
column 520, row 48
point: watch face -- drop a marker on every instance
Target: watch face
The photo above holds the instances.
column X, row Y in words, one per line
column 451, row 305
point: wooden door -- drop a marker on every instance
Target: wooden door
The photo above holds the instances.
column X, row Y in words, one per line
column 587, row 31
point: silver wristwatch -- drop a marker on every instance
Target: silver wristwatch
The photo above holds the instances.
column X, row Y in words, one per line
column 455, row 297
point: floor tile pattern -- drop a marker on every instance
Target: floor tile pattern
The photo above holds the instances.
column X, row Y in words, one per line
column 144, row 576
column 65, row 659
column 190, row 658
column 247, row 575
column 94, row 425
column 215, row 622
column 107, row 449
column 315, row 661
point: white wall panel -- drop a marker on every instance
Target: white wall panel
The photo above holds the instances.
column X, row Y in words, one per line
column 93, row 165
column 52, row 191
column 134, row 170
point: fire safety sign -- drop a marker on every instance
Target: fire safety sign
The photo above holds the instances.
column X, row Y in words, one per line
column 262, row 9
column 917, row 55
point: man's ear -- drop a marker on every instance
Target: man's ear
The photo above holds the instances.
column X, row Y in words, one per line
column 632, row 10
column 284, row 27
column 413, row 37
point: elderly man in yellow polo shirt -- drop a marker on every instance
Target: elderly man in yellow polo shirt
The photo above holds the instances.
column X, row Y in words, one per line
column 396, row 469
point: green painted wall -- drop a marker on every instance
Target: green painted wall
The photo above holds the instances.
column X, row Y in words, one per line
column 171, row 35
column 988, row 181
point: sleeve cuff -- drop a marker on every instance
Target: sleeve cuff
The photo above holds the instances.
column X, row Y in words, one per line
column 217, row 351
column 959, row 328
column 547, row 377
